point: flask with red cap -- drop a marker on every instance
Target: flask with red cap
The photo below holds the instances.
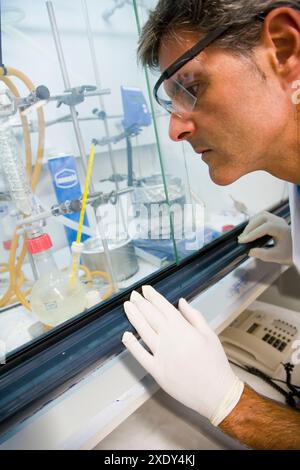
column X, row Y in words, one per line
column 53, row 298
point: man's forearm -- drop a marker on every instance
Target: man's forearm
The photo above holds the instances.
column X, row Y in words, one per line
column 261, row 423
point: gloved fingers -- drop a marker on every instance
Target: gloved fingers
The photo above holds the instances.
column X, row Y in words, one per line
column 194, row 317
column 138, row 351
column 261, row 231
column 261, row 253
column 135, row 296
column 160, row 302
column 143, row 328
column 153, row 316
column 255, row 222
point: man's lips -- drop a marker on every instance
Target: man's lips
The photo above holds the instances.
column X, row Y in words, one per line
column 202, row 151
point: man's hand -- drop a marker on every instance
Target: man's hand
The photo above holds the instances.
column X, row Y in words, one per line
column 269, row 224
column 186, row 357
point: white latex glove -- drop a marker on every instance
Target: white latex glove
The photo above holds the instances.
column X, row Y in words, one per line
column 269, row 224
column 186, row 357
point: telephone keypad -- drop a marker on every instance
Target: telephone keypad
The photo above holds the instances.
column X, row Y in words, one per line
column 280, row 336
column 277, row 343
column 282, row 347
column 276, row 340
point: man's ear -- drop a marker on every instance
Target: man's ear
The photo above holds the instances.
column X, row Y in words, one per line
column 281, row 34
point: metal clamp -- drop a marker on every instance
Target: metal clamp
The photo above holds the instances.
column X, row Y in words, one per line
column 77, row 95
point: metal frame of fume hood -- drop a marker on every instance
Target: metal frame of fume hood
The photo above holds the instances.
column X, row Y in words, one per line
column 51, row 360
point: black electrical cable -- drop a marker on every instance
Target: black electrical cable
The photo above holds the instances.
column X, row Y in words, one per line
column 284, row 382
column 289, row 396
column 288, row 367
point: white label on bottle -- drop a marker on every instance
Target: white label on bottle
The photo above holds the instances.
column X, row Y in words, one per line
column 50, row 305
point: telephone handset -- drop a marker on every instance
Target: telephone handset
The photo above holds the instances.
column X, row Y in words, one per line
column 262, row 336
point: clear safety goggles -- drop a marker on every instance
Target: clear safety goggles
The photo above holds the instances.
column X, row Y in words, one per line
column 180, row 97
column 177, row 97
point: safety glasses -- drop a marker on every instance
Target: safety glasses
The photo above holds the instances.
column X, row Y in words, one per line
column 180, row 97
column 176, row 97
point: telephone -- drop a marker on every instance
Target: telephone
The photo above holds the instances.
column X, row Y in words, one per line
column 262, row 336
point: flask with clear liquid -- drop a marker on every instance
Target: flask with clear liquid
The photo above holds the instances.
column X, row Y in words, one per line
column 54, row 299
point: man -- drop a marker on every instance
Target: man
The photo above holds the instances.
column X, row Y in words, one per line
column 230, row 95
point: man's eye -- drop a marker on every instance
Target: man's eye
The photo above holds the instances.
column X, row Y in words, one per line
column 193, row 89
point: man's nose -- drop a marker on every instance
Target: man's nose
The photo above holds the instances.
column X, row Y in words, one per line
column 181, row 128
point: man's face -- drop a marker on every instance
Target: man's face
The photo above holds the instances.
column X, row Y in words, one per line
column 240, row 122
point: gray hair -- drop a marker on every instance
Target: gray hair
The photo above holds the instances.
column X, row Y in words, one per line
column 204, row 16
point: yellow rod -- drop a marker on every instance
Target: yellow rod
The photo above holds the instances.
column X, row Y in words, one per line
column 82, row 212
